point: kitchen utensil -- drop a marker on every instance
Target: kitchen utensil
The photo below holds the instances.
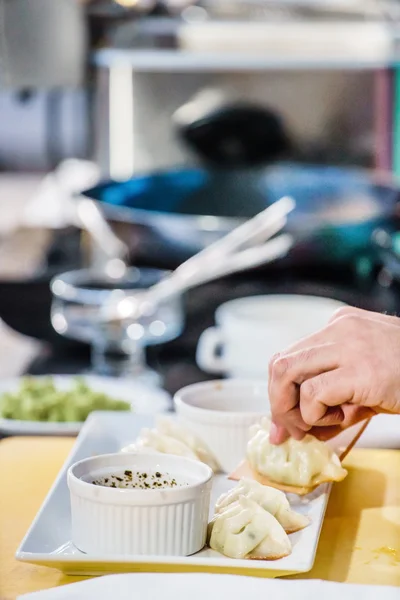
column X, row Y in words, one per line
column 166, row 217
column 251, row 330
column 117, row 348
column 92, row 220
column 231, row 135
column 242, row 248
column 355, row 439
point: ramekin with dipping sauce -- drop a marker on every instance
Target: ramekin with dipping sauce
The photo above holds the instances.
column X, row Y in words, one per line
column 139, row 504
column 221, row 414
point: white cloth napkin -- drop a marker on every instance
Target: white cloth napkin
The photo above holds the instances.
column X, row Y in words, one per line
column 197, row 586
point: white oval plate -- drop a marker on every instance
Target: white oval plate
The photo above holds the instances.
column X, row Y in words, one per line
column 144, row 399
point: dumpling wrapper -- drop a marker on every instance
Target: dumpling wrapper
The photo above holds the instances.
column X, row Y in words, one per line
column 170, row 438
column 245, row 530
column 152, row 439
column 171, row 428
column 244, row 471
column 270, row 499
column 294, row 466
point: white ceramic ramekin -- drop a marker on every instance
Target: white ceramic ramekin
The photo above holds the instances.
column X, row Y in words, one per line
column 221, row 413
column 167, row 521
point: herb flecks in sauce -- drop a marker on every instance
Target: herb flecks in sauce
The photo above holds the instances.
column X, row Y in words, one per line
column 138, row 480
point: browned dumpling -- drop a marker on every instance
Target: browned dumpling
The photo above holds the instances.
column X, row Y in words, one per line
column 304, row 464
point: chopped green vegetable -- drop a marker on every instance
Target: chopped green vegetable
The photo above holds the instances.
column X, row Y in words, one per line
column 41, row 400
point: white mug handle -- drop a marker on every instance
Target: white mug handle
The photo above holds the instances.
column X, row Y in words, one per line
column 206, row 353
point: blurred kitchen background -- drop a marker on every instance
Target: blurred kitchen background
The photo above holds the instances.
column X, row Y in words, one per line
column 101, row 79
column 222, row 97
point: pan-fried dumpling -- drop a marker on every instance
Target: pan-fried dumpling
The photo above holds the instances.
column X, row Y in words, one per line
column 270, row 499
column 169, row 438
column 152, row 439
column 245, row 530
column 171, row 428
column 305, row 463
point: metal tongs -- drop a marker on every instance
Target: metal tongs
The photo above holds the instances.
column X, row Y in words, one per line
column 247, row 246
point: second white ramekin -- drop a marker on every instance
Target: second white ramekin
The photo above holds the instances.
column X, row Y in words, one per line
column 221, row 414
column 167, row 521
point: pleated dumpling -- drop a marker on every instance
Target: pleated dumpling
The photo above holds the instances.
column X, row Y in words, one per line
column 245, row 530
column 173, row 429
column 306, row 463
column 168, row 437
column 270, row 499
column 152, row 439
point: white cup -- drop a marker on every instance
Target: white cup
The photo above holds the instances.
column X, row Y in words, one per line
column 251, row 330
column 221, row 414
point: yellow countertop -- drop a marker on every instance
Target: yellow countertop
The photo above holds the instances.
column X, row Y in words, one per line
column 360, row 539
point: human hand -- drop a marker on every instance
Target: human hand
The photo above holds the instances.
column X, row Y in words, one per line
column 343, row 374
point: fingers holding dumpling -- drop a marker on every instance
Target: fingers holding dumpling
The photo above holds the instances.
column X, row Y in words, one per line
column 301, row 464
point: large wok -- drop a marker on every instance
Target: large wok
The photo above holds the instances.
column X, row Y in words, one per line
column 168, row 216
column 165, row 217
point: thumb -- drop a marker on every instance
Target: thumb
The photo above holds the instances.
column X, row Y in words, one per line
column 278, row 434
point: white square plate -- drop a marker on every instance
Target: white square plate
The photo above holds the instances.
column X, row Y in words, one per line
column 48, row 541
